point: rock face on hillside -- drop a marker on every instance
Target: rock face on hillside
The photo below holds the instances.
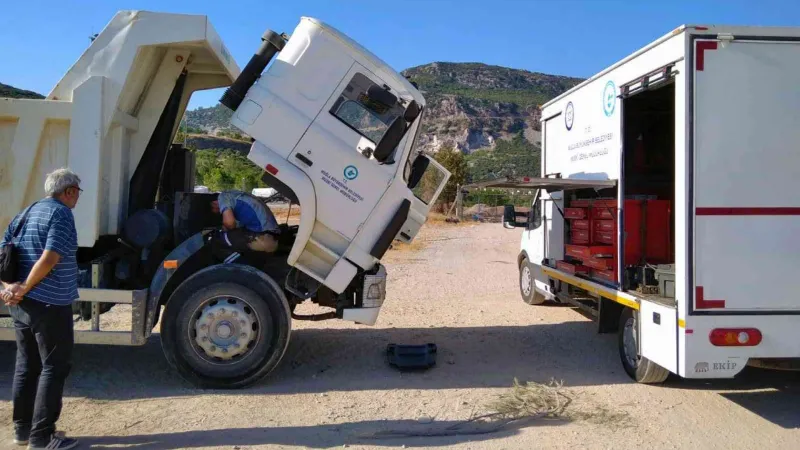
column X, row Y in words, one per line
column 471, row 105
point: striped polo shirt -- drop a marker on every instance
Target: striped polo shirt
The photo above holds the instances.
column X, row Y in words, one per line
column 50, row 226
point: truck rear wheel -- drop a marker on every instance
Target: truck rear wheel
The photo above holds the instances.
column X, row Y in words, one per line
column 224, row 331
column 527, row 287
column 636, row 366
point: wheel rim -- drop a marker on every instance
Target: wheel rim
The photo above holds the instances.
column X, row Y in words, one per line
column 629, row 344
column 525, row 281
column 224, row 329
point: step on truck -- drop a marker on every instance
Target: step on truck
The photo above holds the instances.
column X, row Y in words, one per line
column 668, row 208
column 335, row 130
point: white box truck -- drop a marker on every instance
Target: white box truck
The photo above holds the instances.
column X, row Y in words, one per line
column 335, row 130
column 668, row 206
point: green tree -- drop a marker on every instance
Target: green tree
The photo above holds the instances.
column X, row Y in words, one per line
column 455, row 162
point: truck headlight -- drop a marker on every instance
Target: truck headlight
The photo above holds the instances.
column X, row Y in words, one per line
column 374, row 292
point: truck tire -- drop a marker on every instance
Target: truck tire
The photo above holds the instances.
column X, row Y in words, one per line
column 527, row 287
column 225, row 328
column 636, row 366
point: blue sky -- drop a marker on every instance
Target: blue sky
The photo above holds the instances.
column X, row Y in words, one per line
column 42, row 39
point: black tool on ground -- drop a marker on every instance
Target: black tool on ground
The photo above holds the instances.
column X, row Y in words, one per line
column 411, row 357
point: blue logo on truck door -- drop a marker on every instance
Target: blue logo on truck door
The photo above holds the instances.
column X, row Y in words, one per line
column 609, row 98
column 569, row 115
column 350, row 172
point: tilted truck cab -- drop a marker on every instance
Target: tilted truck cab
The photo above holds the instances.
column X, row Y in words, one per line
column 333, row 127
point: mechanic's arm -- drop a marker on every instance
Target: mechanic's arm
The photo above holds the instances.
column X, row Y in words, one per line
column 228, row 219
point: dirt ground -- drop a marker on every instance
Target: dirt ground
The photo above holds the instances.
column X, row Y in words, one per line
column 458, row 289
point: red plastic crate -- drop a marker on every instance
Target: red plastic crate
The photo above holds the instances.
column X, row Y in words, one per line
column 580, row 236
column 580, row 203
column 607, row 213
column 605, row 203
column 584, row 252
column 571, row 268
column 582, row 224
column 574, row 213
column 601, row 263
column 605, row 275
column 605, row 225
column 604, row 237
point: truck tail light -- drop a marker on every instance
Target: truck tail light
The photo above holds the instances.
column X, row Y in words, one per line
column 271, row 169
column 735, row 337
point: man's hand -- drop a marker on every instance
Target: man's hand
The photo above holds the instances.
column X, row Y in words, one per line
column 13, row 293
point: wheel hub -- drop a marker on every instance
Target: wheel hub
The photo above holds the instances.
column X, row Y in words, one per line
column 526, row 280
column 629, row 342
column 225, row 328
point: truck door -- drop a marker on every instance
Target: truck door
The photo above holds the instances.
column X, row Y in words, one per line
column 336, row 153
column 745, row 178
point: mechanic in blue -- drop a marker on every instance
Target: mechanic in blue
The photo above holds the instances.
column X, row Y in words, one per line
column 248, row 223
column 40, row 304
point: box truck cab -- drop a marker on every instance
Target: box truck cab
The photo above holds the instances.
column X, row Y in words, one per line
column 668, row 205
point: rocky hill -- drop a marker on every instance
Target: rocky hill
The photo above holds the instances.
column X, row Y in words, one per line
column 471, row 105
column 12, row 92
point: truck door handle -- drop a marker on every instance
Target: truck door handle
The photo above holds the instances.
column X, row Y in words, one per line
column 302, row 158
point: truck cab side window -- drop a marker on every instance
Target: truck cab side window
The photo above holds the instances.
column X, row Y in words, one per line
column 370, row 117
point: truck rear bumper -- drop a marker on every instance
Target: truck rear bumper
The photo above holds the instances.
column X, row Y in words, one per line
column 703, row 359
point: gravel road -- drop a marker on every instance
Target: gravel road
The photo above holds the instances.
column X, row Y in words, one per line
column 334, row 389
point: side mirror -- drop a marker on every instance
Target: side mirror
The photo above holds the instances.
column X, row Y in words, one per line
column 390, row 139
column 418, row 169
column 510, row 218
column 412, row 112
column 380, row 95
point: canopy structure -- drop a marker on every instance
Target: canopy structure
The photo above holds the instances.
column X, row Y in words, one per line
column 529, row 183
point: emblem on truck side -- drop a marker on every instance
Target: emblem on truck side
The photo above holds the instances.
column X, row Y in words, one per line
column 350, row 172
column 569, row 115
column 609, row 98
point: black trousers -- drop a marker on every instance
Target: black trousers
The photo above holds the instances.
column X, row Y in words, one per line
column 45, row 339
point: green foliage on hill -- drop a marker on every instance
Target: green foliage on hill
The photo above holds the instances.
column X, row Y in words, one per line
column 12, row 92
column 514, row 158
column 220, row 169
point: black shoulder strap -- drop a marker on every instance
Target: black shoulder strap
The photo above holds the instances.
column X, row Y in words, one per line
column 22, row 220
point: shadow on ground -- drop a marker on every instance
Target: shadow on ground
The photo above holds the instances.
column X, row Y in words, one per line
column 319, row 436
column 327, row 360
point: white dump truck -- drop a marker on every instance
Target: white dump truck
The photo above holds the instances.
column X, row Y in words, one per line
column 335, row 130
column 668, row 207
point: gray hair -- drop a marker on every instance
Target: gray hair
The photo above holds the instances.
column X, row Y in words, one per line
column 59, row 180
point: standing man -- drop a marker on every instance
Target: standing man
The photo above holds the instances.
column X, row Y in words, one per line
column 41, row 306
column 248, row 223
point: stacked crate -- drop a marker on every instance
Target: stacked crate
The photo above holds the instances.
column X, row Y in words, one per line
column 592, row 242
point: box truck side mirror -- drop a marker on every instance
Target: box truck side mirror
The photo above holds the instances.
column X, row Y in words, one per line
column 510, row 218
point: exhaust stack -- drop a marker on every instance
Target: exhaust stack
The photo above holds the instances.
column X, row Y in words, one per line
column 271, row 44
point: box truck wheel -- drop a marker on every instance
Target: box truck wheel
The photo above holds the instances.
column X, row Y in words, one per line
column 526, row 285
column 638, row 367
column 225, row 330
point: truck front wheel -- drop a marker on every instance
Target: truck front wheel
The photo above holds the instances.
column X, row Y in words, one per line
column 224, row 333
column 527, row 287
column 636, row 366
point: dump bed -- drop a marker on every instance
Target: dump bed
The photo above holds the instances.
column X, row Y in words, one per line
column 107, row 111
